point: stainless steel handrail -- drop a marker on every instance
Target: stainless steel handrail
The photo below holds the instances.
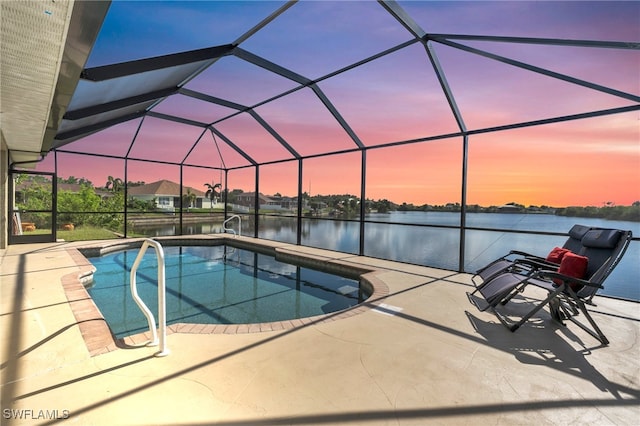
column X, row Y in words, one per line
column 224, row 225
column 162, row 304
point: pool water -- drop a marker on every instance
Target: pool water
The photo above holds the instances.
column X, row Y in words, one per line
column 215, row 285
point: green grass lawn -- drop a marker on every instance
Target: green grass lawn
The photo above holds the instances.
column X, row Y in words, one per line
column 82, row 233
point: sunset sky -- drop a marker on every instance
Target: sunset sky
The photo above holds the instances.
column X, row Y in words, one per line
column 394, row 98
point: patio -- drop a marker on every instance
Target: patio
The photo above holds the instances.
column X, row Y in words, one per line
column 420, row 355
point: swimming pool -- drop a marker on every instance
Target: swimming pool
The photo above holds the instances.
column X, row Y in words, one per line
column 216, row 285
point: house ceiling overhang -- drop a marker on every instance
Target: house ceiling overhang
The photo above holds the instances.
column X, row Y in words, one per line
column 45, row 46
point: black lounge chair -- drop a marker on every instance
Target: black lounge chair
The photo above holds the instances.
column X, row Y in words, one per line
column 567, row 295
column 573, row 243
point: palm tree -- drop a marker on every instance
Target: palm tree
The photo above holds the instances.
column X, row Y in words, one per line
column 115, row 184
column 212, row 193
column 189, row 198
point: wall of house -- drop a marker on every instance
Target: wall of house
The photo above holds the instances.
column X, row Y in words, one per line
column 4, row 196
column 173, row 202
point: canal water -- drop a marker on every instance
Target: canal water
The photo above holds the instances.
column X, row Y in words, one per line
column 424, row 238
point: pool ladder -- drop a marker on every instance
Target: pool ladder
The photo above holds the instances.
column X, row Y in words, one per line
column 224, row 225
column 162, row 304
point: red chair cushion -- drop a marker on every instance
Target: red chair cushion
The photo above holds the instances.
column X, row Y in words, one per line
column 573, row 265
column 556, row 254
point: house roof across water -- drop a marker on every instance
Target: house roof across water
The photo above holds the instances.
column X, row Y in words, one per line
column 163, row 188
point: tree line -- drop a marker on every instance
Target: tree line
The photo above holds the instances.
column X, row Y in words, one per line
column 73, row 206
column 607, row 211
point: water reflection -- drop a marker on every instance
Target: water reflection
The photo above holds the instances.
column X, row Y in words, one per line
column 399, row 238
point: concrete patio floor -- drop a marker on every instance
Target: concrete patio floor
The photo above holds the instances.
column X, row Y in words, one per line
column 419, row 354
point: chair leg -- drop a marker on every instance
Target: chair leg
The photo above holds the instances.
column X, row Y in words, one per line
column 559, row 312
column 595, row 331
column 556, row 311
column 538, row 307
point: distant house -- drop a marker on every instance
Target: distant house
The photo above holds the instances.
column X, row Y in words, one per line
column 266, row 202
column 509, row 208
column 247, row 199
column 289, row 203
column 167, row 195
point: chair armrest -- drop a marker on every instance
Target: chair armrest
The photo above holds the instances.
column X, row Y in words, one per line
column 537, row 263
column 548, row 274
column 520, row 253
column 523, row 254
column 532, row 257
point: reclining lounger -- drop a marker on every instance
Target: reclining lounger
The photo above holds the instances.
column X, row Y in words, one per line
column 573, row 243
column 567, row 295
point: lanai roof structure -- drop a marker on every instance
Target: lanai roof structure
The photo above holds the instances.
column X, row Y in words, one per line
column 379, row 74
column 159, row 88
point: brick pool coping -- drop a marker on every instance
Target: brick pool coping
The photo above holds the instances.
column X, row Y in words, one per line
column 99, row 339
